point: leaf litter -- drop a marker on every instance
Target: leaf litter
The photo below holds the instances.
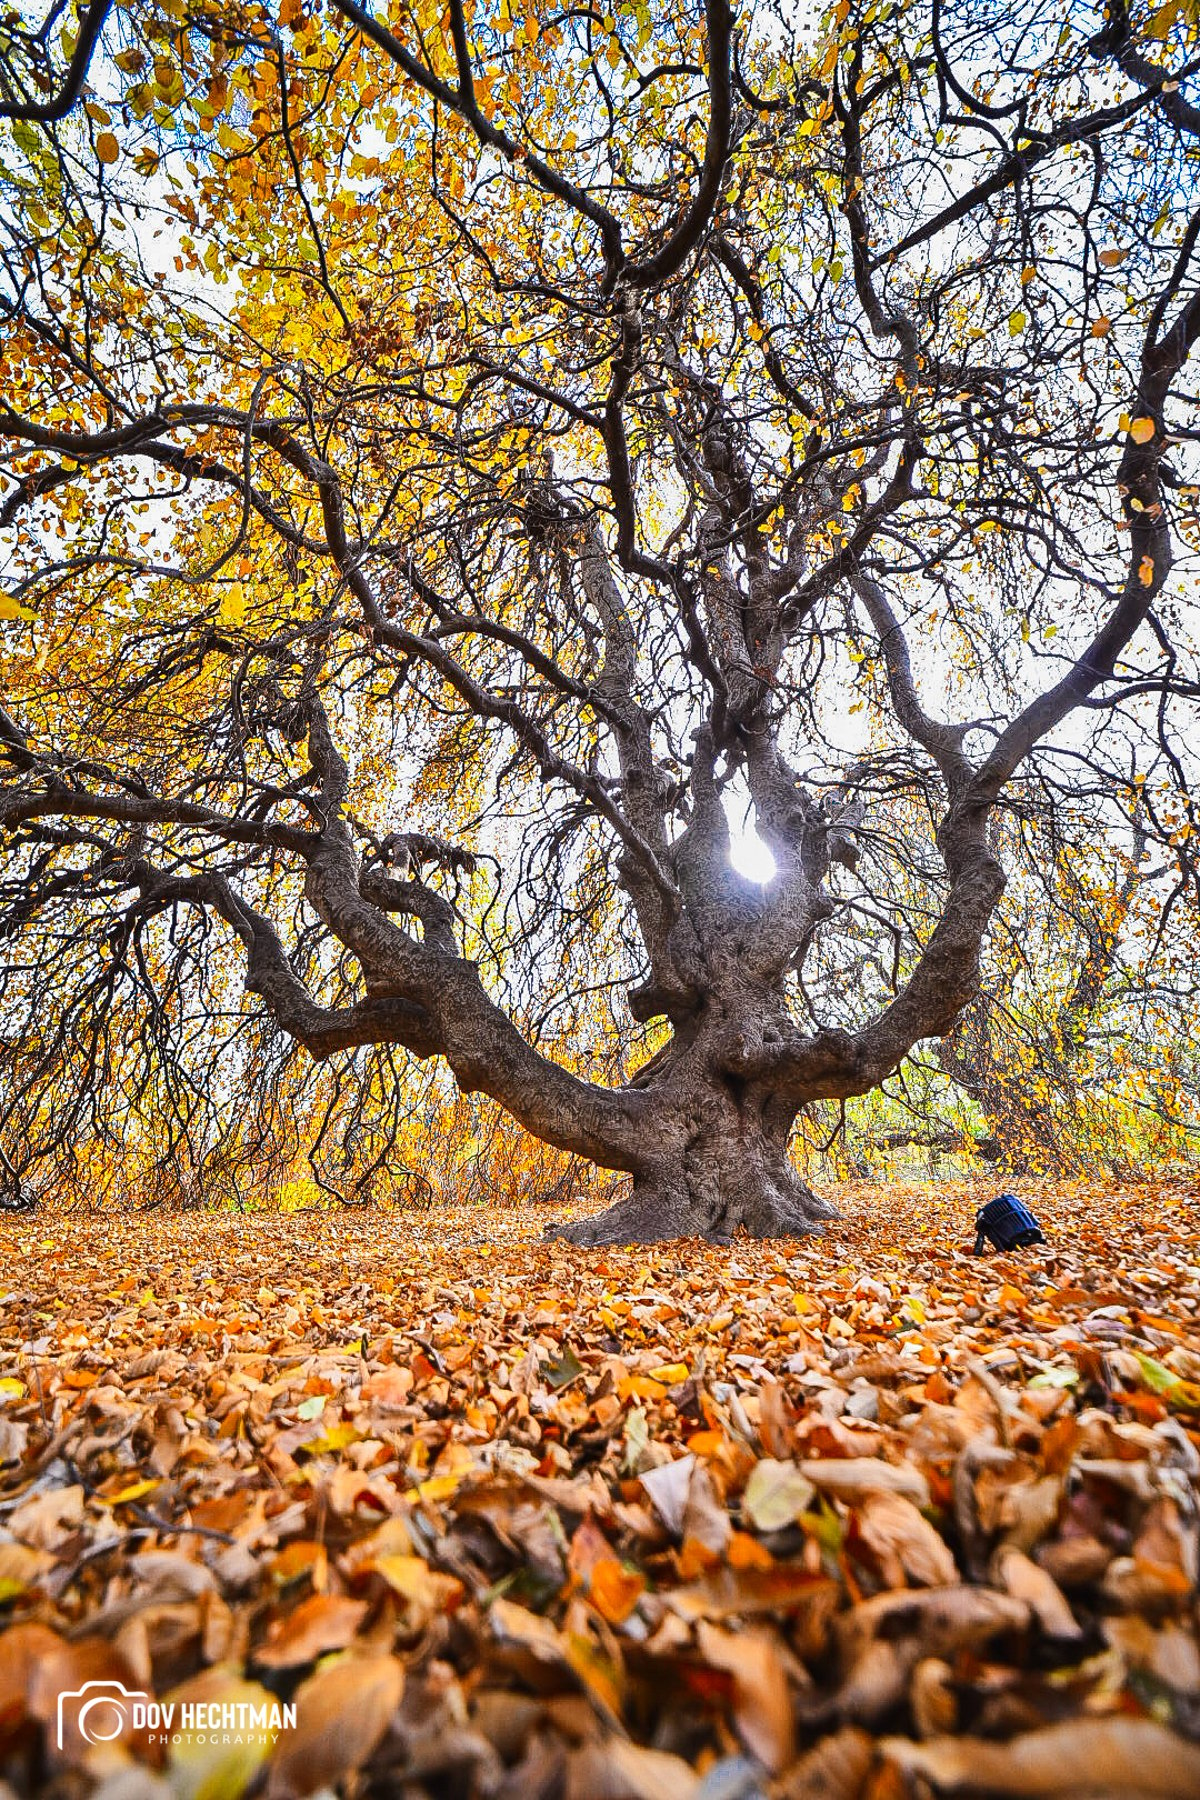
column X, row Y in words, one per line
column 863, row 1517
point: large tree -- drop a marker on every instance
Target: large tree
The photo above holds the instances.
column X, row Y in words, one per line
column 458, row 461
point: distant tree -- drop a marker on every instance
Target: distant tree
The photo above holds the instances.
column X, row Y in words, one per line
column 457, row 462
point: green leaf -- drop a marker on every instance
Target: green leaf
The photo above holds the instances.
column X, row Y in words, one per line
column 1157, row 1377
column 564, row 1371
column 637, row 1436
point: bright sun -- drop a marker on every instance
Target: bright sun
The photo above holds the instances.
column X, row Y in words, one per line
column 749, row 855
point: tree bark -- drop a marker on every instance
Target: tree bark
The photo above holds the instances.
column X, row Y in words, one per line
column 717, row 1162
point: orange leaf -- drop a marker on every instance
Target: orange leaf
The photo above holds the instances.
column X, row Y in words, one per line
column 615, row 1590
column 640, row 1387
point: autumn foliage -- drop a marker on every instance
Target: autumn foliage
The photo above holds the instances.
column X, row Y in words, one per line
column 502, row 1518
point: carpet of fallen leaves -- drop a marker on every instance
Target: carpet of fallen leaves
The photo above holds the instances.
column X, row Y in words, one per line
column 860, row 1518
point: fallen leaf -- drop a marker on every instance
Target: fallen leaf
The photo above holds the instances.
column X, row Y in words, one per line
column 762, row 1706
column 322, row 1622
column 1024, row 1580
column 342, row 1713
column 615, row 1590
column 47, row 1519
column 1110, row 1756
column 905, row 1542
column 667, row 1488
column 850, row 1477
column 776, row 1495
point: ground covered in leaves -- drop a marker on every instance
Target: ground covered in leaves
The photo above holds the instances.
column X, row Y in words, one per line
column 858, row 1518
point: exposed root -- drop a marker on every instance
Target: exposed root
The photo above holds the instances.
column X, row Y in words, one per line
column 645, row 1216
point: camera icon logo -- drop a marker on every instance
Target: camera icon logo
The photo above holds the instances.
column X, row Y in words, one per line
column 99, row 1711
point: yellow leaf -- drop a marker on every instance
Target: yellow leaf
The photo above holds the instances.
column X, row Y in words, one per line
column 233, row 604
column 671, row 1373
column 1016, row 323
column 427, row 1591
column 336, row 1438
column 438, row 1487
column 12, row 609
column 137, row 1490
column 220, row 1765
column 11, row 1388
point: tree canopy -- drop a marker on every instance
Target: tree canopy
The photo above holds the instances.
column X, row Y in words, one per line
column 460, row 463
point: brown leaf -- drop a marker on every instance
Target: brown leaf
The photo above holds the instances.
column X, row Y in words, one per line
column 342, row 1713
column 1024, row 1580
column 882, row 1639
column 762, row 1706
column 48, row 1519
column 851, row 1477
column 834, row 1769
column 322, row 1622
column 516, row 1624
column 705, row 1519
column 391, row 1387
column 932, row 1697
column 905, row 1542
column 1114, row 1756
column 619, row 1770
column 23, row 1649
column 62, row 1671
column 14, row 1436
